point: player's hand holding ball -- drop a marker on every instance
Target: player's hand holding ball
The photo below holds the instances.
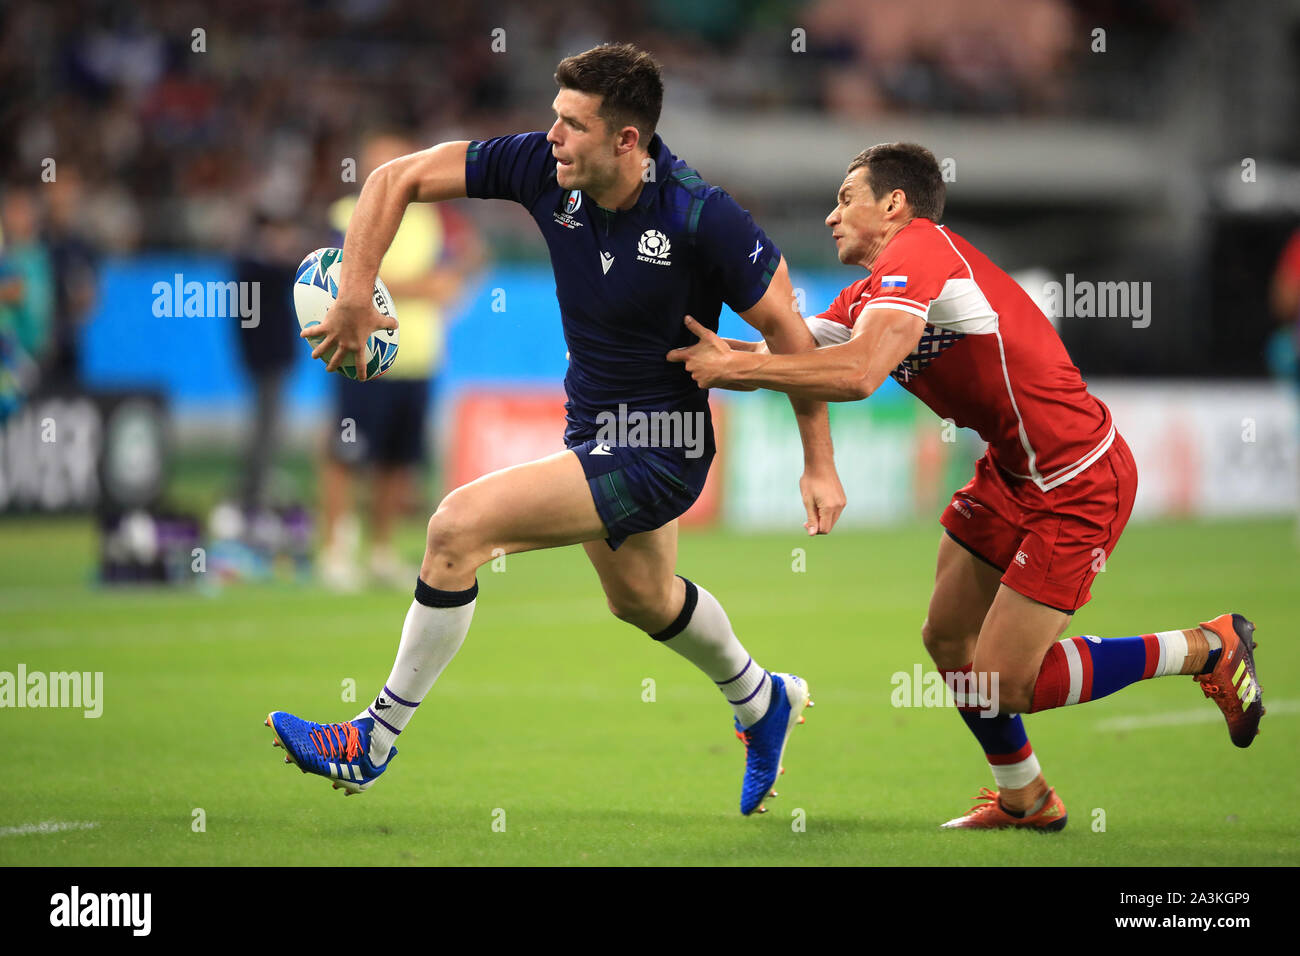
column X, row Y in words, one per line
column 341, row 329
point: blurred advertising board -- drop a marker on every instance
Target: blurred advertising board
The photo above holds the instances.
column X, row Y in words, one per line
column 897, row 461
column 77, row 451
column 1209, row 450
column 1201, row 450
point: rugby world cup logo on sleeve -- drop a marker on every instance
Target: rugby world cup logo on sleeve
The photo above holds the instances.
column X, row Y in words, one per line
column 569, row 204
column 653, row 247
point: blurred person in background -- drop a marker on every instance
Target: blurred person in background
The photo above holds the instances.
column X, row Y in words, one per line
column 1284, row 348
column 26, row 296
column 1284, row 297
column 269, row 256
column 432, row 256
column 74, row 260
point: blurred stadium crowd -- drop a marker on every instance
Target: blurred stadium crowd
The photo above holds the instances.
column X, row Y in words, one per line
column 176, row 125
column 177, row 149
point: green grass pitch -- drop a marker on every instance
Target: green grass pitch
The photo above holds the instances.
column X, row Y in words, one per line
column 540, row 727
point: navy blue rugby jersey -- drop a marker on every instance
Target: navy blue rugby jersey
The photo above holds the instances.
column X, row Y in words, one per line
column 624, row 279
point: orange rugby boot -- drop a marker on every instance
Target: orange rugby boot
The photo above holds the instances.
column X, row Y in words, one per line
column 989, row 815
column 1232, row 682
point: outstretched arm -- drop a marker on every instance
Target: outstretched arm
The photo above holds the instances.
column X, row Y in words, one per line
column 782, row 327
column 430, row 175
column 838, row 373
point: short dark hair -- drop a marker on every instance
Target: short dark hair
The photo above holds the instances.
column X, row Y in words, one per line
column 906, row 166
column 626, row 79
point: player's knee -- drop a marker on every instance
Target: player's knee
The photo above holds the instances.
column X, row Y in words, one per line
column 641, row 607
column 932, row 637
column 451, row 538
column 1018, row 699
column 1010, row 686
column 945, row 643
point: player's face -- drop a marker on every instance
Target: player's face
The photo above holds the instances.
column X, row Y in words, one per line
column 857, row 222
column 581, row 143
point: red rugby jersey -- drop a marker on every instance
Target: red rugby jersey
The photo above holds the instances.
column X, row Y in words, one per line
column 988, row 358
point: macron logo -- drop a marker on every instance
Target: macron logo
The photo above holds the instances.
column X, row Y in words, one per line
column 606, row 260
column 601, row 449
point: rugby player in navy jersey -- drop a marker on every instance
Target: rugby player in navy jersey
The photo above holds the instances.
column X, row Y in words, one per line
column 637, row 240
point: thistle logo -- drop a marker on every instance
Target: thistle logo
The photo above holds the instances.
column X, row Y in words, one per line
column 654, row 247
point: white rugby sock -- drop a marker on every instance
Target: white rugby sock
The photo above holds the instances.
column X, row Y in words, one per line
column 1186, row 651
column 434, row 629
column 702, row 634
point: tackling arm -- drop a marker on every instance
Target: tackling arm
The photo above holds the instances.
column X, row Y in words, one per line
column 842, row 373
column 837, row 373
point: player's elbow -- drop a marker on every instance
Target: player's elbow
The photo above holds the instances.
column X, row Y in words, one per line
column 845, row 388
column 430, row 175
column 392, row 178
column 856, row 385
column 769, row 325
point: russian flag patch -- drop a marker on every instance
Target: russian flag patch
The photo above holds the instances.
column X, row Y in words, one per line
column 893, row 282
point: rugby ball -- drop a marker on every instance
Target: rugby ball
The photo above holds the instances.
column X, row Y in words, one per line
column 314, row 290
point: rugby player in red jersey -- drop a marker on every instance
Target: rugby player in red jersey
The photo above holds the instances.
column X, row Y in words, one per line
column 1025, row 537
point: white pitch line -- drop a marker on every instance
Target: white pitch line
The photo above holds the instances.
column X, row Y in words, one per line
column 45, row 826
column 1202, row 715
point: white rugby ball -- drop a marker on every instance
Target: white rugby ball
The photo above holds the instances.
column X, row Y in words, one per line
column 314, row 290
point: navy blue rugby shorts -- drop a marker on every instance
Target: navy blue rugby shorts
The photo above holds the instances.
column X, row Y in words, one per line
column 640, row 488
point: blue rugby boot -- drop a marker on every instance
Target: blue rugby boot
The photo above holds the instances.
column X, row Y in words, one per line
column 337, row 751
column 765, row 741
